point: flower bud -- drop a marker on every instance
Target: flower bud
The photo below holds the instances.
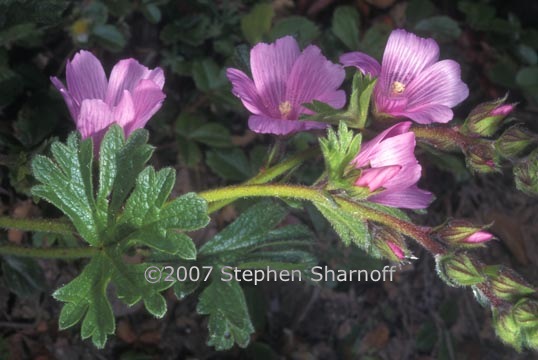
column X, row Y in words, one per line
column 458, row 270
column 486, row 118
column 526, row 174
column 507, row 328
column 480, row 157
column 507, row 284
column 463, row 233
column 514, row 141
column 390, row 244
column 526, row 313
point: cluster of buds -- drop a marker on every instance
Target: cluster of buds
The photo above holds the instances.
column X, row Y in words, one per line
column 462, row 233
column 518, row 324
column 486, row 119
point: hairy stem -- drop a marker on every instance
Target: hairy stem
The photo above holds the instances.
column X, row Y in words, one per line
column 51, row 226
column 48, row 253
column 442, row 137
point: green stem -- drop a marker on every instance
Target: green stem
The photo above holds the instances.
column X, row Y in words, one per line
column 48, row 253
column 269, row 174
column 52, row 226
column 316, row 196
column 441, row 137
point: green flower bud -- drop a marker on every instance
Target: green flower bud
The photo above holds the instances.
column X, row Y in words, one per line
column 462, row 233
column 507, row 328
column 526, row 313
column 506, row 284
column 514, row 141
column 481, row 157
column 531, row 338
column 458, row 270
column 526, row 174
column 486, row 118
column 391, row 244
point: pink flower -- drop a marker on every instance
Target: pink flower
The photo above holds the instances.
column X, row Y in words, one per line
column 130, row 98
column 390, row 169
column 412, row 82
column 284, row 78
column 478, row 237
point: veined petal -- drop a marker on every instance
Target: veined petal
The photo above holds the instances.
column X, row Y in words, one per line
column 72, row 105
column 410, row 198
column 337, row 99
column 479, row 237
column 364, row 62
column 243, row 87
column 405, row 56
column 439, row 84
column 126, row 75
column 375, row 178
column 313, row 77
column 147, row 98
column 398, row 149
column 86, row 77
column 95, row 115
column 124, row 113
column 363, row 158
column 267, row 125
column 271, row 65
column 427, row 114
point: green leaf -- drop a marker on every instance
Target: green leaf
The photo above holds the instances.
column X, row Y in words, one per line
column 23, row 276
column 208, row 75
column 109, row 36
column 441, row 28
column 212, row 134
column 345, row 25
column 374, row 40
column 359, row 100
column 257, row 22
column 419, row 9
column 304, row 30
column 229, row 320
column 247, row 230
column 66, row 183
column 230, row 164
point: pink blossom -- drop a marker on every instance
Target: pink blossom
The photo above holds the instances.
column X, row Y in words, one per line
column 390, row 169
column 412, row 83
column 502, row 110
column 284, row 78
column 398, row 252
column 479, row 237
column 129, row 98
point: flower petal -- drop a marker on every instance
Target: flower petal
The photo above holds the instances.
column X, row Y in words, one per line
column 266, row 125
column 439, row 84
column 375, row 178
column 271, row 65
column 364, row 62
column 86, row 78
column 147, row 98
column 313, row 77
column 124, row 113
column 126, row 75
column 243, row 87
column 363, row 158
column 95, row 115
column 72, row 105
column 428, row 114
column 410, row 198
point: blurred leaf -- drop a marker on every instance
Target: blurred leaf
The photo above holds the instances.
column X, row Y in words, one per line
column 11, row 85
column 212, row 134
column 230, row 164
column 19, row 32
column 229, row 320
column 479, row 15
column 527, row 54
column 257, row 22
column 23, row 276
column 419, row 9
column 503, row 73
column 426, row 337
column 441, row 28
column 345, row 25
column 208, row 75
column 528, row 77
column 110, row 37
column 304, row 30
column 375, row 39
column 151, row 12
column 192, row 30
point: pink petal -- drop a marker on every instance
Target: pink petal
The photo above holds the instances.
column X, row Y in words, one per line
column 313, row 77
column 363, row 158
column 243, row 87
column 86, row 78
column 479, row 237
column 439, row 84
column 126, row 75
column 124, row 113
column 147, row 98
column 410, row 198
column 72, row 105
column 364, row 62
column 95, row 115
column 266, row 125
column 398, row 149
column 271, row 65
column 405, row 56
column 503, row 110
column 337, row 99
column 428, row 114
column 396, row 250
column 375, row 178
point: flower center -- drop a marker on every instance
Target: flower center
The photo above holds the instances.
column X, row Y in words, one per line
column 397, row 88
column 285, row 109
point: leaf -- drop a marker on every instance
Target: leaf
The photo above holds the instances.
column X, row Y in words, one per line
column 208, row 75
column 66, row 183
column 230, row 164
column 345, row 25
column 212, row 134
column 229, row 320
column 109, row 36
column 257, row 22
column 359, row 100
column 419, row 9
column 23, row 276
column 441, row 28
column 304, row 30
